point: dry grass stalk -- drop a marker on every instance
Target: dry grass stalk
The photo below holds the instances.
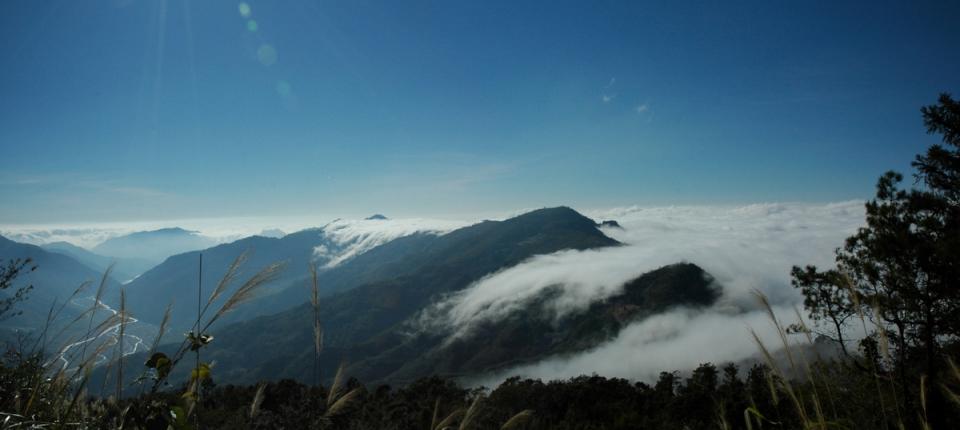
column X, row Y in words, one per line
column 228, row 278
column 317, row 330
column 315, row 303
column 224, row 283
column 518, row 420
column 96, row 305
column 955, row 372
column 747, row 418
column 344, row 402
column 436, row 414
column 471, row 414
column 923, row 402
column 447, row 422
column 247, row 291
column 337, row 403
column 784, row 383
column 257, row 400
column 810, row 341
column 162, row 330
column 54, row 315
column 336, row 387
column 887, row 357
column 190, row 396
column 244, row 293
column 123, row 325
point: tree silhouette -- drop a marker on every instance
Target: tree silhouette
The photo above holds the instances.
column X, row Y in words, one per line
column 901, row 269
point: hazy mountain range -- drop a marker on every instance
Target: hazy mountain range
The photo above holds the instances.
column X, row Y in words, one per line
column 122, row 269
column 56, row 278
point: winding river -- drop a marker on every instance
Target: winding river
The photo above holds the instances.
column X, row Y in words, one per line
column 131, row 345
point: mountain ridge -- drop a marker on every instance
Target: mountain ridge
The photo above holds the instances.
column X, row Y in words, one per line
column 427, row 267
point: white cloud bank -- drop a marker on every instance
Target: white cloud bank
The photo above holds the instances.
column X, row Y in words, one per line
column 349, row 238
column 678, row 340
column 745, row 248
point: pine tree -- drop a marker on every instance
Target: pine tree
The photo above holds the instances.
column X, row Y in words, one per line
column 902, row 268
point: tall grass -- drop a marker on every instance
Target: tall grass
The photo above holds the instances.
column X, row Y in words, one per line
column 57, row 395
column 244, row 293
column 808, row 398
column 317, row 330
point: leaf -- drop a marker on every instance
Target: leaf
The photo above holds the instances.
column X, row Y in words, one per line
column 161, row 363
column 202, row 372
column 155, row 358
column 179, row 416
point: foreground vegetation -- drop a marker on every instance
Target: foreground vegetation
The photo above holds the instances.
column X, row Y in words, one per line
column 838, row 395
column 894, row 283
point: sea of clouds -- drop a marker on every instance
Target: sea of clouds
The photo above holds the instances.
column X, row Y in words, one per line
column 746, row 249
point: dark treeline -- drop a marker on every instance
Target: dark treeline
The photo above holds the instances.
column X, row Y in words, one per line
column 709, row 397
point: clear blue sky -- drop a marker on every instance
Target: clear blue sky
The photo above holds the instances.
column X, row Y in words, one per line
column 131, row 110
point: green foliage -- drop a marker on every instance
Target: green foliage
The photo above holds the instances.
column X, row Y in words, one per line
column 198, row 341
column 161, row 363
column 900, row 271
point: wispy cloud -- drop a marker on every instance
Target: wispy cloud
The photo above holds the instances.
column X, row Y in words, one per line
column 607, row 94
column 448, row 173
column 69, row 181
column 350, row 238
column 476, row 174
column 14, row 179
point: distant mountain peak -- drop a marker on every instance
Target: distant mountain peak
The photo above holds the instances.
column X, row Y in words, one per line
column 167, row 230
column 376, row 217
column 556, row 211
column 272, row 232
column 61, row 244
column 554, row 215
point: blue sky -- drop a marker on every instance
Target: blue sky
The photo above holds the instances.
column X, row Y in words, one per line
column 151, row 110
